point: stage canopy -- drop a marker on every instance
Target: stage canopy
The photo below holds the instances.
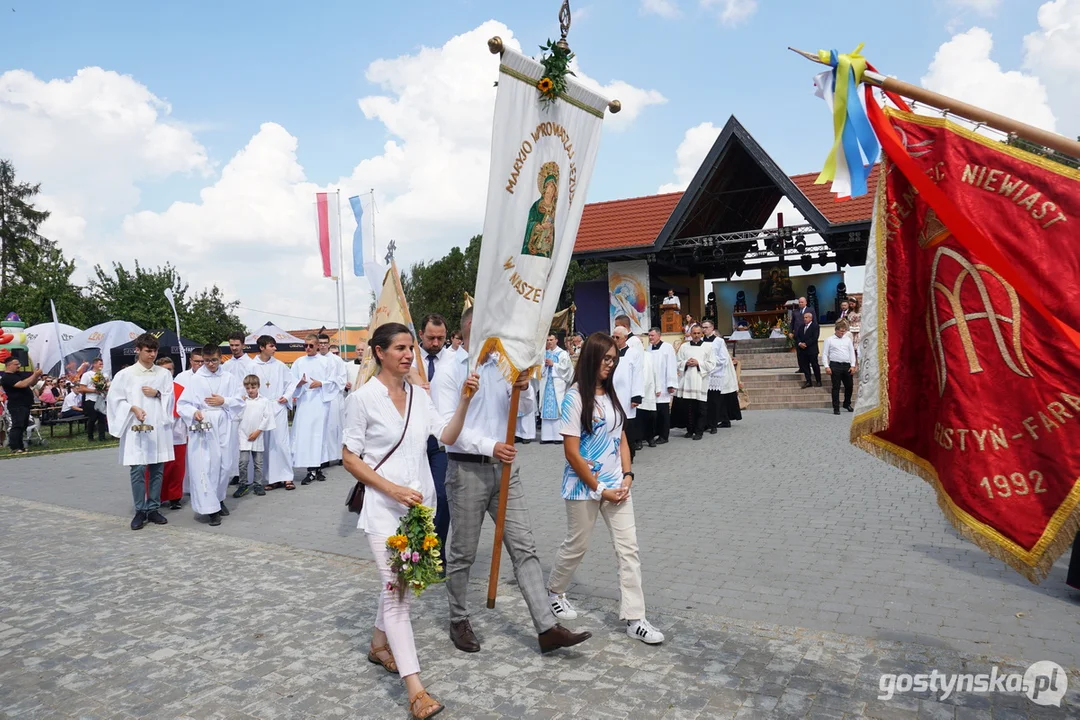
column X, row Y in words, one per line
column 714, row 228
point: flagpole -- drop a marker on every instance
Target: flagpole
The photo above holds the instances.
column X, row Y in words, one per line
column 504, row 490
column 1007, row 125
column 341, row 269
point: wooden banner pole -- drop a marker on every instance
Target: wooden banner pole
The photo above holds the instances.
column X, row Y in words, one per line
column 504, row 490
column 1007, row 125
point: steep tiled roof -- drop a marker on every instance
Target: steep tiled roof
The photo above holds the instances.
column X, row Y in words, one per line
column 636, row 222
column 633, row 222
column 838, row 212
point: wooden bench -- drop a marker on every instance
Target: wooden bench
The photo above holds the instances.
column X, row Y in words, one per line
column 50, row 418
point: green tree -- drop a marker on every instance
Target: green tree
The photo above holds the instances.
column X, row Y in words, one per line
column 139, row 296
column 47, row 276
column 19, row 222
column 438, row 286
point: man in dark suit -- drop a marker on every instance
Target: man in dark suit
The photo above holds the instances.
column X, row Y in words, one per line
column 806, row 347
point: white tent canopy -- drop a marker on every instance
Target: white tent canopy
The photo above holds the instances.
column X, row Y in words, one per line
column 281, row 337
column 97, row 342
column 41, row 343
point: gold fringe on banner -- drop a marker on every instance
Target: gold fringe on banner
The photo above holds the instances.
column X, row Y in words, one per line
column 507, row 368
column 1034, row 564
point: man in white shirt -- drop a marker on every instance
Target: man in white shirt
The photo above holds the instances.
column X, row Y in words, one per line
column 140, row 411
column 840, row 364
column 665, row 381
column 672, row 300
column 433, row 360
column 92, row 404
column 71, row 406
column 239, row 366
column 473, row 484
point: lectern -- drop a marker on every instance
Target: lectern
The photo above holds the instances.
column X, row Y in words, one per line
column 670, row 319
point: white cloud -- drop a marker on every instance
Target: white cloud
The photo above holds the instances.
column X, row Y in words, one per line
column 963, row 69
column 251, row 230
column 1053, row 53
column 982, row 7
column 732, row 12
column 663, row 8
column 90, row 140
column 690, row 154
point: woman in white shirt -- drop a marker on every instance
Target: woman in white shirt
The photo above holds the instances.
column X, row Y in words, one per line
column 387, row 423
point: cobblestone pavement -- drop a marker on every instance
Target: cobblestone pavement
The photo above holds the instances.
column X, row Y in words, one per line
column 767, row 560
column 169, row 623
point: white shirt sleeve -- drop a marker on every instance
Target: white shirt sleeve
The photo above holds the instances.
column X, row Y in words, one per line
column 356, row 422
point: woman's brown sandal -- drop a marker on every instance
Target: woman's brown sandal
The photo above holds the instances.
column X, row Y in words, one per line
column 429, row 706
column 383, row 656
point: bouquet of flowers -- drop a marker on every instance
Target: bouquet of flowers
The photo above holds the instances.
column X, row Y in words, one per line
column 414, row 557
column 760, row 329
column 101, row 383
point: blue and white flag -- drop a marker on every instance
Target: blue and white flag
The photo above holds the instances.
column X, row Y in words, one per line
column 358, row 237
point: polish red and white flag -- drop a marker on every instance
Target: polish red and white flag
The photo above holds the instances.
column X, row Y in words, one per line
column 328, row 222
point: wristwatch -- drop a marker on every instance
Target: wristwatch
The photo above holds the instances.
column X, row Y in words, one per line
column 628, row 472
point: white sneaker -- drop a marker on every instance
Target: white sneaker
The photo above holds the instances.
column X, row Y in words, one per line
column 643, row 631
column 561, row 607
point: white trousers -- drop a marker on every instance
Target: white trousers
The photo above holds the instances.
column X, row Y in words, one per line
column 580, row 521
column 393, row 616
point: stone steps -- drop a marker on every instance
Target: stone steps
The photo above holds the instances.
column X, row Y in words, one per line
column 781, row 388
column 774, row 360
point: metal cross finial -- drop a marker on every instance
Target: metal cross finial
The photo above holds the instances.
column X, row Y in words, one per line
column 564, row 24
column 390, row 252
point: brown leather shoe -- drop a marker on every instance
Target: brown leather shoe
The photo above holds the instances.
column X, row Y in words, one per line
column 559, row 637
column 463, row 637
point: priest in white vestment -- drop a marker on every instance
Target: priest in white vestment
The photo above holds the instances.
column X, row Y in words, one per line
column 335, row 426
column 276, row 384
column 208, row 405
column 647, row 408
column 526, row 422
column 629, row 384
column 723, row 383
column 139, row 413
column 239, row 365
column 666, row 382
column 696, row 360
column 556, row 374
column 316, row 385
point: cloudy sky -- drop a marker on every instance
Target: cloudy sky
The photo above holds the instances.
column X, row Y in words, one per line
column 198, row 133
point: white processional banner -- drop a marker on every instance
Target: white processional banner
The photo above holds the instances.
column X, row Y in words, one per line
column 542, row 155
column 628, row 294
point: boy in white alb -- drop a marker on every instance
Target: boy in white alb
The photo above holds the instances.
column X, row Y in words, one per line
column 257, row 418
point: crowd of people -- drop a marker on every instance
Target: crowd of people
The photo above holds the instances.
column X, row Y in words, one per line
column 425, row 429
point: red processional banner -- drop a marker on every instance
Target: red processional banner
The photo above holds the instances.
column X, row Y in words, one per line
column 970, row 365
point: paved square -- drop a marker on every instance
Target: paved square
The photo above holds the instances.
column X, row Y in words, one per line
column 787, row 576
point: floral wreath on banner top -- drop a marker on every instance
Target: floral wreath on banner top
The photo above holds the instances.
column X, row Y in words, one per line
column 556, row 63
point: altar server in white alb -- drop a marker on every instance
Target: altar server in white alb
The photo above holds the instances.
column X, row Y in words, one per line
column 666, row 381
column 695, row 361
column 276, row 384
column 556, row 374
column 647, row 409
column 255, row 420
column 316, row 386
column 526, row 422
column 334, row 435
column 208, row 405
column 723, row 383
column 629, row 385
column 140, row 414
column 239, row 365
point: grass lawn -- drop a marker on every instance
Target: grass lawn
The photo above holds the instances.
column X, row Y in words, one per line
column 59, row 444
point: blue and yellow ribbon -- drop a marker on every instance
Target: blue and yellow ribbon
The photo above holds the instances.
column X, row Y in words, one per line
column 851, row 127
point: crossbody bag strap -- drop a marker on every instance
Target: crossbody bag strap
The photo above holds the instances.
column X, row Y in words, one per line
column 408, row 414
